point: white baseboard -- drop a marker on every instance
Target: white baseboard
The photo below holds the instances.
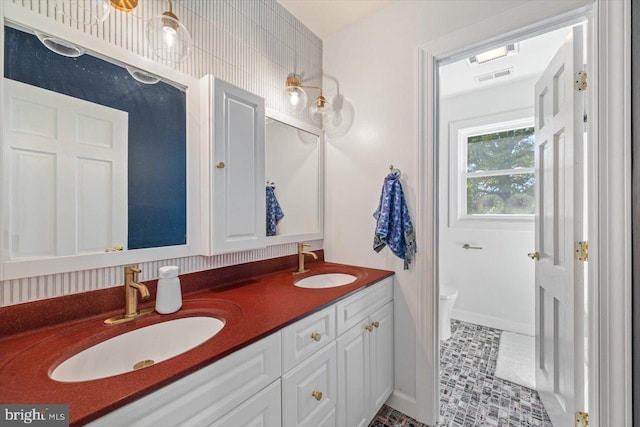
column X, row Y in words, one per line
column 494, row 322
column 403, row 403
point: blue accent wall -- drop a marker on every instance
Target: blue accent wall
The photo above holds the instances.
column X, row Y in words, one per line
column 157, row 183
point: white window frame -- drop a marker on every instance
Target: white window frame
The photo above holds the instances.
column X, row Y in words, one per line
column 459, row 132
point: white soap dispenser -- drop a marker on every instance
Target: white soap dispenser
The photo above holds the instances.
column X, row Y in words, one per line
column 169, row 295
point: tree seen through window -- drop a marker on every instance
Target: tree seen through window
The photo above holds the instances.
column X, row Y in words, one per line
column 500, row 173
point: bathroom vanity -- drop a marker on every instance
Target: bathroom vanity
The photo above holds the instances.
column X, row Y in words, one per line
column 286, row 355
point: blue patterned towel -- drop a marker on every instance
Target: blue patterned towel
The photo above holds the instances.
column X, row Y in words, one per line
column 274, row 212
column 393, row 223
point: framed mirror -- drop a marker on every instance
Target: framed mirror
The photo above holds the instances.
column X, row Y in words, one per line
column 99, row 152
column 294, row 169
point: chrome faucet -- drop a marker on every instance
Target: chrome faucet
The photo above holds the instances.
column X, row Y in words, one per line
column 301, row 254
column 131, row 288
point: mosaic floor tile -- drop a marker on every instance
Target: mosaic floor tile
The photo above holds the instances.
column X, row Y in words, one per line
column 470, row 394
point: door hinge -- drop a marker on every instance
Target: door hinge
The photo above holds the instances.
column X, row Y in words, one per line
column 582, row 419
column 582, row 251
column 581, row 81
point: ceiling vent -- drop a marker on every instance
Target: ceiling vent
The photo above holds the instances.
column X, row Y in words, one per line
column 494, row 54
column 495, row 75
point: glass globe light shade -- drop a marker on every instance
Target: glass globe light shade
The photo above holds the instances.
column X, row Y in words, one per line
column 168, row 39
column 295, row 99
column 321, row 114
column 83, row 12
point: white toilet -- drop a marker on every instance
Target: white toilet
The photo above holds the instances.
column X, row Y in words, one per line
column 448, row 297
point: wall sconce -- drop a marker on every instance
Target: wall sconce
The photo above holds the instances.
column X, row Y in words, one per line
column 296, row 99
column 168, row 39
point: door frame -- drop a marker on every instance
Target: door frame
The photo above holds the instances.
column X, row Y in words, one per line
column 608, row 210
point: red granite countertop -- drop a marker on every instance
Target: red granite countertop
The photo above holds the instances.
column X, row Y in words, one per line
column 252, row 308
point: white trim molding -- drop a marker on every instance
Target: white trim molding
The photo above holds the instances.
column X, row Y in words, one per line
column 609, row 211
column 612, row 255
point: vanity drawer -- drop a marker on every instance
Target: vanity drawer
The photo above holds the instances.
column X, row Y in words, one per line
column 309, row 392
column 305, row 337
column 263, row 409
column 357, row 307
column 206, row 395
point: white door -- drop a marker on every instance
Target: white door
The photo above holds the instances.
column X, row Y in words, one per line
column 65, row 165
column 559, row 221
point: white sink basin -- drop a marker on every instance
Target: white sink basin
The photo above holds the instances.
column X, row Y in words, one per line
column 329, row 280
column 141, row 347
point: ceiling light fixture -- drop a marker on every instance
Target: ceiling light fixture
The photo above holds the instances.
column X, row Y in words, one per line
column 494, row 54
column 296, row 99
column 168, row 39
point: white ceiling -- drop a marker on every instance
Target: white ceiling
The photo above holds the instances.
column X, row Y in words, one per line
column 327, row 17
column 535, row 53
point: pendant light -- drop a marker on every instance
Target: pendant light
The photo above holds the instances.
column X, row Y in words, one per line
column 168, row 39
column 83, row 12
column 124, row 5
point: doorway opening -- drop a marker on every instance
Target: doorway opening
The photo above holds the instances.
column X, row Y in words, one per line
column 510, row 213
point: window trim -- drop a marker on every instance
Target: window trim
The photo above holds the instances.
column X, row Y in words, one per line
column 459, row 132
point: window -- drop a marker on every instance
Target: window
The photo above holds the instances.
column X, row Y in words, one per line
column 492, row 171
column 499, row 173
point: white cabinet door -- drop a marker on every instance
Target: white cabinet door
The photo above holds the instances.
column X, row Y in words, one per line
column 365, row 354
column 262, row 410
column 353, row 376
column 309, row 391
column 235, row 166
column 381, row 357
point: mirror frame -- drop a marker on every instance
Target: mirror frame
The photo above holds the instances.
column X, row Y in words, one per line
column 20, row 16
column 296, row 123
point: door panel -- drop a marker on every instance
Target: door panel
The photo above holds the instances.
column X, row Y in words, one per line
column 559, row 311
column 68, row 158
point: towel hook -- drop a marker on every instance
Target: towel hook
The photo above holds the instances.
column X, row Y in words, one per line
column 271, row 184
column 394, row 171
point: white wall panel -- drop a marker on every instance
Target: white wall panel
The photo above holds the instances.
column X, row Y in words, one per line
column 252, row 44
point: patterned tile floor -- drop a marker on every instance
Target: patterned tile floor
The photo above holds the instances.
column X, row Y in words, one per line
column 471, row 395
